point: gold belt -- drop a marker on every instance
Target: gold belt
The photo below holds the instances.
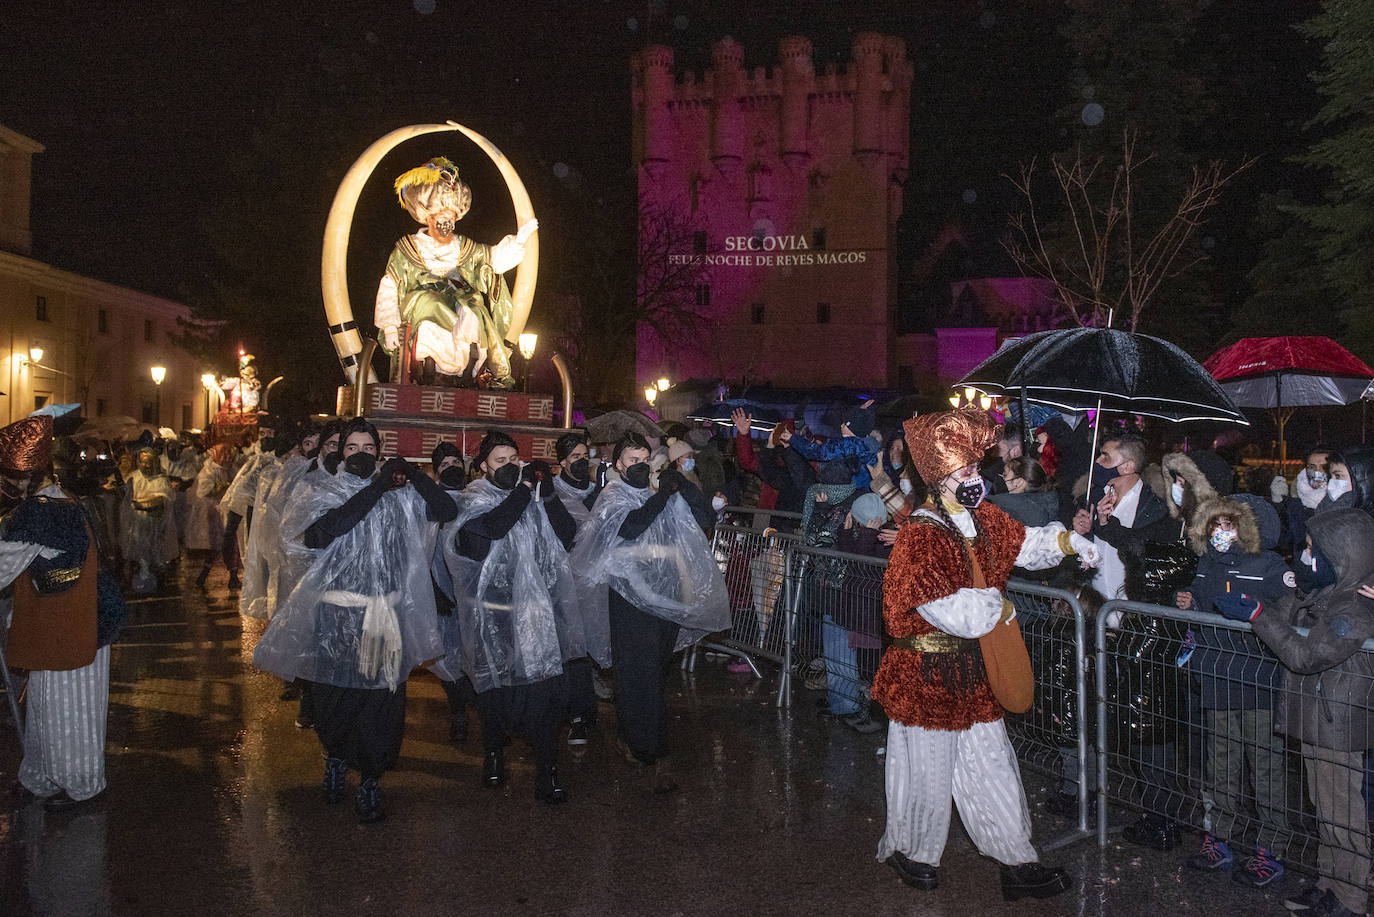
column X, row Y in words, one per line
column 935, row 642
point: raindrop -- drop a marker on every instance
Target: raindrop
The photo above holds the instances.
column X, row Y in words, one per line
column 970, row 196
column 1088, row 92
column 988, row 19
column 1209, row 242
column 560, row 170
column 680, row 22
column 1093, row 114
column 423, row 7
column 372, row 38
column 632, row 24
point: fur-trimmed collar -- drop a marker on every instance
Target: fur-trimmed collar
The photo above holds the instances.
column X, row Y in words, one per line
column 1199, row 533
column 1178, row 463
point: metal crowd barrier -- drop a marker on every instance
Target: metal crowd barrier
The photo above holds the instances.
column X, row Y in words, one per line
column 1190, row 730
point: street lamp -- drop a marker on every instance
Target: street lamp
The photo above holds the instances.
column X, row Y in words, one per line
column 36, row 354
column 650, row 394
column 159, row 373
column 954, row 401
column 207, row 381
column 527, row 342
column 663, row 383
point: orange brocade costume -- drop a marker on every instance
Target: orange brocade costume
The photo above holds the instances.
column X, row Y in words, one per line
column 927, row 564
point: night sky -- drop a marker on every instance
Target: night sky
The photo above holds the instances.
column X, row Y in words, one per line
column 193, row 149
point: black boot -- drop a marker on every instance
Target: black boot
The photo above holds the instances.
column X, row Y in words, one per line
column 368, row 805
column 234, row 583
column 1153, row 831
column 494, row 768
column 1031, row 880
column 547, row 788
column 204, row 575
column 335, row 779
column 917, row 875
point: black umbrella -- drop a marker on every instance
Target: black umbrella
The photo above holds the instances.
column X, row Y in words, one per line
column 1104, row 368
column 1107, row 369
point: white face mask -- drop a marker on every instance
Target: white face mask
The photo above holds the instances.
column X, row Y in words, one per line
column 1176, row 491
column 904, row 485
column 1336, row 487
column 717, row 503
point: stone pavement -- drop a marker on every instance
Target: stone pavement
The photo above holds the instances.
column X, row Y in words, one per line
column 214, row 808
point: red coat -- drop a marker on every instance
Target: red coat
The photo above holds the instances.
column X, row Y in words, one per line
column 927, row 564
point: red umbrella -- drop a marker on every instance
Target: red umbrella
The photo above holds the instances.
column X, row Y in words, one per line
column 1287, row 372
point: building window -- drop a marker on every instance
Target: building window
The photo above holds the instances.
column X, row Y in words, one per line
column 818, row 237
column 148, row 330
column 147, row 412
column 822, row 313
column 703, row 294
column 699, row 242
column 756, row 313
column 100, row 407
column 102, row 322
column 185, row 417
column 40, row 402
column 40, row 308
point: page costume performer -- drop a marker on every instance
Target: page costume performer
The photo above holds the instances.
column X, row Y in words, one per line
column 64, row 618
column 942, row 592
column 449, row 288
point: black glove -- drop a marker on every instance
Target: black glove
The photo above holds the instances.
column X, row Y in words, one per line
column 392, row 468
column 543, row 478
column 670, row 481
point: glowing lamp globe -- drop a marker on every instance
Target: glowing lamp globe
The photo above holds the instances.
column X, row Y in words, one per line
column 158, row 373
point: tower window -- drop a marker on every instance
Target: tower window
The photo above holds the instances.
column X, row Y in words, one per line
column 703, row 294
column 822, row 313
column 757, row 313
column 818, row 237
column 102, row 322
column 699, row 242
column 40, row 308
column 147, row 329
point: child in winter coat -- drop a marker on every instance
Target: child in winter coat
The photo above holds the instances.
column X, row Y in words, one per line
column 1234, row 538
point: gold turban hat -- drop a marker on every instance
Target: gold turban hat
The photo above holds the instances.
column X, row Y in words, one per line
column 26, row 445
column 942, row 443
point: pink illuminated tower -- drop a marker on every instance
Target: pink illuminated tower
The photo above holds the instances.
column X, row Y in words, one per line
column 769, row 201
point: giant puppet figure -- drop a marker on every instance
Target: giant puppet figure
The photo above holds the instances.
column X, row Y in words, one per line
column 447, row 287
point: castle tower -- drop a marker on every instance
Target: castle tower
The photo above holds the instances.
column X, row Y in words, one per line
column 786, row 277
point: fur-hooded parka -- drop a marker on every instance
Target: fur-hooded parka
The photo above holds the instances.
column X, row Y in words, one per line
column 1200, row 525
column 1204, row 480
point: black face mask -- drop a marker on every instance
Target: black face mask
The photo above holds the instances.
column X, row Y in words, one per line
column 267, row 444
column 637, row 475
column 970, row 493
column 1103, row 475
column 331, row 462
column 362, row 464
column 506, row 477
column 580, row 470
column 313, row 452
column 451, row 477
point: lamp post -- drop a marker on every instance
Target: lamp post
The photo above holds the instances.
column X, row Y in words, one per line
column 650, row 394
column 207, row 381
column 158, row 373
column 527, row 342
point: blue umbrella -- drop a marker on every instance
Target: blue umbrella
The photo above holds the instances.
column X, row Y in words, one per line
column 718, row 412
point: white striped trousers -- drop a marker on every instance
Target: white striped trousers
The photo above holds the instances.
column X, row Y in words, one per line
column 64, row 730
column 977, row 768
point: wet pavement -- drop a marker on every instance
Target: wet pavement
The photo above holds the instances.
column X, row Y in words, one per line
column 214, row 808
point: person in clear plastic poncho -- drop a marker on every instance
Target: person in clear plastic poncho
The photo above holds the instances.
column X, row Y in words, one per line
column 266, row 581
column 577, row 492
column 644, row 564
column 517, row 607
column 150, row 529
column 363, row 615
column 447, row 464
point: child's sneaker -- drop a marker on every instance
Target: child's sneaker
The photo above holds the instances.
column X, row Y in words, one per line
column 1214, row 856
column 1260, row 870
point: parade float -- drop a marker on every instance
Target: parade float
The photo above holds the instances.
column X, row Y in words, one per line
column 444, row 315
